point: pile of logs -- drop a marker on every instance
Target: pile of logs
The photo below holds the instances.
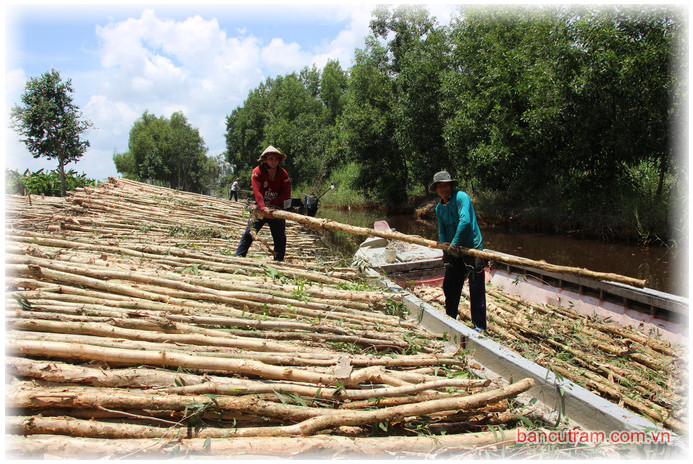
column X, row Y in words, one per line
column 133, row 330
column 626, row 366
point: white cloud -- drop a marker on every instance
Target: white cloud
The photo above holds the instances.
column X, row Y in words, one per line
column 194, row 65
column 342, row 47
column 280, row 57
column 15, row 80
column 161, row 65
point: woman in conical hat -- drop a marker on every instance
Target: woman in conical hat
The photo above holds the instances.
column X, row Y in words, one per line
column 271, row 187
column 271, row 150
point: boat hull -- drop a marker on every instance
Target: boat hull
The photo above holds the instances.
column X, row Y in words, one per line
column 657, row 313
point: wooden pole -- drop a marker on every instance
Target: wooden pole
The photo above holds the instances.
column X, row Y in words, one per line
column 321, row 223
column 44, row 446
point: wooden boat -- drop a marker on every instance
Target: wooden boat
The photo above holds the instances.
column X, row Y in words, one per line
column 660, row 313
column 407, row 264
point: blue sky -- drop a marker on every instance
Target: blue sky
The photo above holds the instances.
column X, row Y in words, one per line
column 202, row 60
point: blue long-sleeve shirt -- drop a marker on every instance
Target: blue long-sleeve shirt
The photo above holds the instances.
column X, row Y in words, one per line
column 457, row 222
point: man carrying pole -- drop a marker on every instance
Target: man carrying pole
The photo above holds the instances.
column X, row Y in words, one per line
column 457, row 227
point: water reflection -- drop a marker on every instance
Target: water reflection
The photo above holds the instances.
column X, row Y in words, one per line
column 664, row 269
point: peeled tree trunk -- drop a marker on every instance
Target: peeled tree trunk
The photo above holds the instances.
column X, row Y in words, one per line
column 129, row 316
column 207, row 384
column 39, row 446
column 312, row 420
column 70, row 351
column 640, row 373
column 321, row 224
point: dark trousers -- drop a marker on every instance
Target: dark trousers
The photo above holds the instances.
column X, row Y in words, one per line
column 234, row 195
column 278, row 229
column 457, row 271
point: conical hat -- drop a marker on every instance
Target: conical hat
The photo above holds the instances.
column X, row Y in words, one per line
column 271, row 150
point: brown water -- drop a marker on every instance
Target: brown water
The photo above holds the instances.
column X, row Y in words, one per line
column 664, row 269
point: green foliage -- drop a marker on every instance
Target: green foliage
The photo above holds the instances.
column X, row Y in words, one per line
column 167, row 151
column 345, row 195
column 391, row 125
column 295, row 113
column 420, row 129
column 368, row 125
column 395, row 308
column 44, row 183
column 556, row 105
column 126, row 165
column 50, row 123
column 502, row 107
column 548, row 110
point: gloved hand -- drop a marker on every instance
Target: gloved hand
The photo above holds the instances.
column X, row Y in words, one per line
column 454, row 252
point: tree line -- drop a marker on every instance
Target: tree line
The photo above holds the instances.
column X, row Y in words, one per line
column 570, row 109
column 555, row 111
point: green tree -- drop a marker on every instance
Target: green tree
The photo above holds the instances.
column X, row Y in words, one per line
column 50, row 123
column 169, row 151
column 621, row 97
column 245, row 131
column 294, row 113
column 419, row 132
column 148, row 144
column 293, row 125
column 368, row 129
column 333, row 84
column 503, row 97
column 390, row 116
column 188, row 163
column 405, row 26
column 559, row 109
column 218, row 175
column 126, row 165
column 555, row 106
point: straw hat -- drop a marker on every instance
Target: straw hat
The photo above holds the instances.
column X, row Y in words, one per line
column 442, row 176
column 269, row 151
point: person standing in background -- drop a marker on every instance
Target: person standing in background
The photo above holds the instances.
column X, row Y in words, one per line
column 235, row 187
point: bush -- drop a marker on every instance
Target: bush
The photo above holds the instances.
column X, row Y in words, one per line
column 345, row 195
column 43, row 183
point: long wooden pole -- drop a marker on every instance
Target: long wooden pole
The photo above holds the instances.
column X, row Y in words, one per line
column 18, row 446
column 322, row 223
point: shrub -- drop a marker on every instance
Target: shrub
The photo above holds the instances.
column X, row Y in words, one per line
column 43, row 183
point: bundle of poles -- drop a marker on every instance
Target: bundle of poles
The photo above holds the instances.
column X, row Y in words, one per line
column 132, row 330
column 638, row 372
column 635, row 370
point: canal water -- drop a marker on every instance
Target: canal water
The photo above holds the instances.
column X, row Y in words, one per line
column 664, row 269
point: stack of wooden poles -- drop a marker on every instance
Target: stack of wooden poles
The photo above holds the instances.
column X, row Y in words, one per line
column 635, row 370
column 133, row 330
